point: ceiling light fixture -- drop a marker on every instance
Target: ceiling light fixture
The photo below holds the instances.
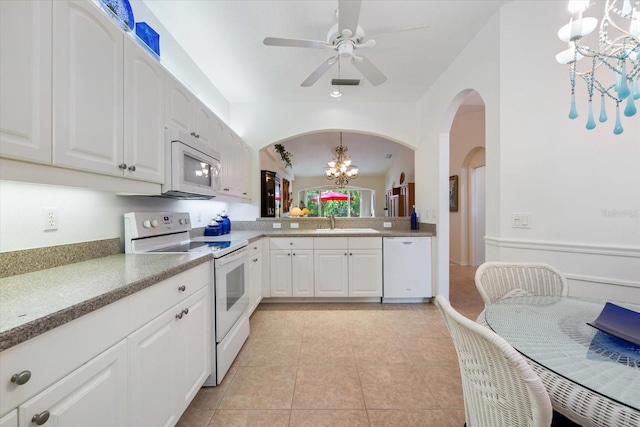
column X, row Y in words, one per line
column 336, row 94
column 617, row 56
column 340, row 170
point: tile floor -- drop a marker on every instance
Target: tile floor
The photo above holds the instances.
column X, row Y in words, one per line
column 343, row 365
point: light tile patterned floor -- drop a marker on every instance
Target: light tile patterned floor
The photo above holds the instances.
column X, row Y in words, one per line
column 343, row 365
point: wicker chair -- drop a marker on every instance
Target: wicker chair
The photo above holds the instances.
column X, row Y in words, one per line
column 499, row 386
column 498, row 280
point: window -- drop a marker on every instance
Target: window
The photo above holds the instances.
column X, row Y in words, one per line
column 341, row 203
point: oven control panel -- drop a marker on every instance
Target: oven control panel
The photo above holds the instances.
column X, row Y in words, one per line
column 148, row 224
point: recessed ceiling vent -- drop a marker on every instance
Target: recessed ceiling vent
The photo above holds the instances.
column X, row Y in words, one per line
column 345, row 82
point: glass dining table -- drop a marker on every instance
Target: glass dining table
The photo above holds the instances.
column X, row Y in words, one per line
column 592, row 377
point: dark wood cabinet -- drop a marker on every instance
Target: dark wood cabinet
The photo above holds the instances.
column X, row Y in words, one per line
column 400, row 200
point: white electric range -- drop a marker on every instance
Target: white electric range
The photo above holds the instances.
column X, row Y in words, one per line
column 169, row 232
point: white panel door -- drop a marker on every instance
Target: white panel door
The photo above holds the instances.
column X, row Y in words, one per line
column 143, row 114
column 194, row 346
column 302, row 282
column 10, row 420
column 478, row 214
column 25, row 80
column 93, row 395
column 280, row 273
column 365, row 273
column 152, row 372
column 331, row 273
column 203, row 122
column 87, row 88
column 177, row 104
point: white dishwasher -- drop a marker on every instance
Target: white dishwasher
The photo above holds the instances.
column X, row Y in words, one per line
column 406, row 269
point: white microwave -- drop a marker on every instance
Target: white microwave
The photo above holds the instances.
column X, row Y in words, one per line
column 192, row 168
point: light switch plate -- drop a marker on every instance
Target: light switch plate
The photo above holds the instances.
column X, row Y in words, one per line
column 386, row 224
column 277, row 225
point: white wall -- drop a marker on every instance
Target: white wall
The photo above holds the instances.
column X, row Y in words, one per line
column 539, row 161
column 84, row 215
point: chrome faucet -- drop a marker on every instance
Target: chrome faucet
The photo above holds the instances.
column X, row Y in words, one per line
column 332, row 218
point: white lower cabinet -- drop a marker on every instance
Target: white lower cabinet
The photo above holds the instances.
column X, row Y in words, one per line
column 93, row 395
column 292, row 267
column 136, row 362
column 335, row 267
column 169, row 361
column 255, row 274
column 10, row 420
column 331, row 272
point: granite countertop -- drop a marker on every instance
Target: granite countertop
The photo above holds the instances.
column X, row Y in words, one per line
column 252, row 235
column 34, row 303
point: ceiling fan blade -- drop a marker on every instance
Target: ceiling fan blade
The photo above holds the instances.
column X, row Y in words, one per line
column 323, row 68
column 348, row 15
column 275, row 41
column 368, row 70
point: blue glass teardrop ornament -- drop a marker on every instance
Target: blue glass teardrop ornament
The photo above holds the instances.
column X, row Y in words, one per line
column 623, row 86
column 573, row 113
column 591, row 124
column 630, row 109
column 603, row 111
column 618, row 128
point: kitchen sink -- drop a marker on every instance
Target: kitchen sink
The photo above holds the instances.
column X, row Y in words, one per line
column 345, row 230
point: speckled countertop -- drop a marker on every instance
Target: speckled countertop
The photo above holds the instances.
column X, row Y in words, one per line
column 34, row 303
column 252, row 235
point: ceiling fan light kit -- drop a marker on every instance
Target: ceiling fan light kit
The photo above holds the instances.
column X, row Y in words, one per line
column 344, row 38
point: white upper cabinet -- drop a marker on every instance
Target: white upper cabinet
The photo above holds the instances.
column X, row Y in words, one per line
column 236, row 166
column 87, row 88
column 108, row 95
column 186, row 112
column 143, row 114
column 25, row 80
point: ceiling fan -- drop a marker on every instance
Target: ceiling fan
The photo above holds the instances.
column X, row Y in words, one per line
column 344, row 38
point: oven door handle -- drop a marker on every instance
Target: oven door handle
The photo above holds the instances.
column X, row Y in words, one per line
column 232, row 257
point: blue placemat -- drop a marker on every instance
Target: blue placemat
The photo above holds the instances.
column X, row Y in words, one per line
column 620, row 322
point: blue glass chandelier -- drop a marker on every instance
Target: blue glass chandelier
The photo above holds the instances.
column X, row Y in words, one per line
column 614, row 67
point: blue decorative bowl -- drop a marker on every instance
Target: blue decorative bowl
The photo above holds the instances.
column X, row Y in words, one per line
column 121, row 9
column 148, row 36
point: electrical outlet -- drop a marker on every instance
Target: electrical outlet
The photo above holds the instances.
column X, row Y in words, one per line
column 277, row 225
column 295, row 225
column 386, row 224
column 49, row 219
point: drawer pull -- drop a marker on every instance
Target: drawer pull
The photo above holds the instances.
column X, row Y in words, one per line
column 132, row 168
column 185, row 311
column 122, row 166
column 179, row 315
column 182, row 288
column 40, row 418
column 21, row 378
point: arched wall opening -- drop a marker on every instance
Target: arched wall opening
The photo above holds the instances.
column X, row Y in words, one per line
column 381, row 160
column 444, row 173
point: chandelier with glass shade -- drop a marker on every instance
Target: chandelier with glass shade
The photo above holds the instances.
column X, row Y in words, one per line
column 612, row 64
column 340, row 169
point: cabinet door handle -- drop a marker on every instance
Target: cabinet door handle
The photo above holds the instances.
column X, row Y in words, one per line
column 195, row 135
column 179, row 315
column 122, row 166
column 40, row 418
column 185, row 311
column 21, row 378
column 132, row 168
column 182, row 288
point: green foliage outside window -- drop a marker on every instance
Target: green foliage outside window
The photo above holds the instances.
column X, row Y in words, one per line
column 339, row 208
